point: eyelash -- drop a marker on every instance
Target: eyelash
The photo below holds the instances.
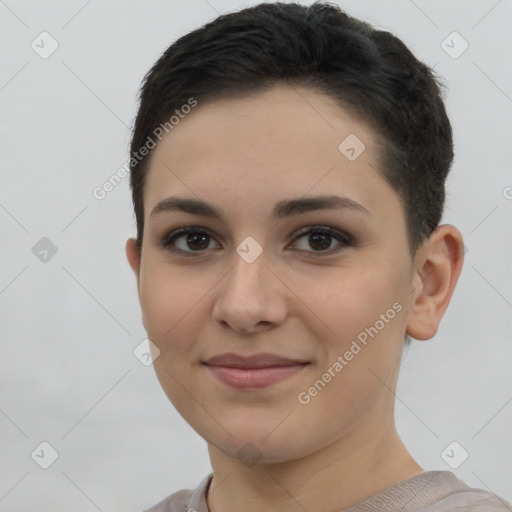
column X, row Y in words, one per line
column 345, row 239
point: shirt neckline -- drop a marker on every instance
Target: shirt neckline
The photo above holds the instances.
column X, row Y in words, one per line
column 415, row 485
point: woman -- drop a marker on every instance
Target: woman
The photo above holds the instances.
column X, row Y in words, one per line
column 288, row 168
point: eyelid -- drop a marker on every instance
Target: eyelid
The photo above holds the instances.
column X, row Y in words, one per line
column 166, row 242
column 334, row 232
column 344, row 238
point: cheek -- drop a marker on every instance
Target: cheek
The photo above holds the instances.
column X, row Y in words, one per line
column 174, row 308
column 368, row 344
column 168, row 300
column 177, row 304
column 365, row 310
column 354, row 300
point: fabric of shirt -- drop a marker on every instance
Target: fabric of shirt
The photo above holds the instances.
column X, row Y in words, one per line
column 430, row 491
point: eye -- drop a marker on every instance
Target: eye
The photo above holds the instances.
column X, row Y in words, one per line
column 188, row 240
column 194, row 239
column 321, row 238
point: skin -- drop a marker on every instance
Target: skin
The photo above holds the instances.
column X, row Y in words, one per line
column 243, row 155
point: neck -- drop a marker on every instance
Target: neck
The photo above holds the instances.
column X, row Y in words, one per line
column 333, row 478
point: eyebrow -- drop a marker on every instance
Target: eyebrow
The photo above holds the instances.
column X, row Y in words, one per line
column 282, row 209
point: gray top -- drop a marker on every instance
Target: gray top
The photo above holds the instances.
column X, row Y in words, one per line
column 430, row 491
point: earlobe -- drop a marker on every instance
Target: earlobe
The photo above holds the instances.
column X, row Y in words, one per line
column 439, row 263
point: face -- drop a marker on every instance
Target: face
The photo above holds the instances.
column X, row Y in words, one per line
column 280, row 320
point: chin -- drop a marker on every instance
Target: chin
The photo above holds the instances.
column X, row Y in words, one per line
column 255, row 443
column 251, row 452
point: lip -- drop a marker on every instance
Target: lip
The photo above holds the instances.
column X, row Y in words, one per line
column 255, row 371
column 263, row 360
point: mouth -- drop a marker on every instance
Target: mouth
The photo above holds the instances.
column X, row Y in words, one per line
column 253, row 372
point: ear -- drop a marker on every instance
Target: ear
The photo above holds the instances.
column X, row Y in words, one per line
column 133, row 256
column 438, row 264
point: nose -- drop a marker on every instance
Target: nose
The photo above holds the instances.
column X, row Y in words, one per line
column 250, row 298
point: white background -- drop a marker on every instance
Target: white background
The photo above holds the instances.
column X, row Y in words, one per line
column 69, row 326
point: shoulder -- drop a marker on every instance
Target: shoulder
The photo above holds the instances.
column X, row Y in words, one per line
column 457, row 495
column 185, row 500
column 475, row 500
column 433, row 491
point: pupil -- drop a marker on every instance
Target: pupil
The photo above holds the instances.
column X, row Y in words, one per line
column 197, row 238
column 322, row 238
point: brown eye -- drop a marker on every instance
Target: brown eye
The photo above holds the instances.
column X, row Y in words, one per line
column 196, row 241
column 188, row 240
column 323, row 240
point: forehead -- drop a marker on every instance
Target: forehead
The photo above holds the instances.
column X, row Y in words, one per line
column 284, row 142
